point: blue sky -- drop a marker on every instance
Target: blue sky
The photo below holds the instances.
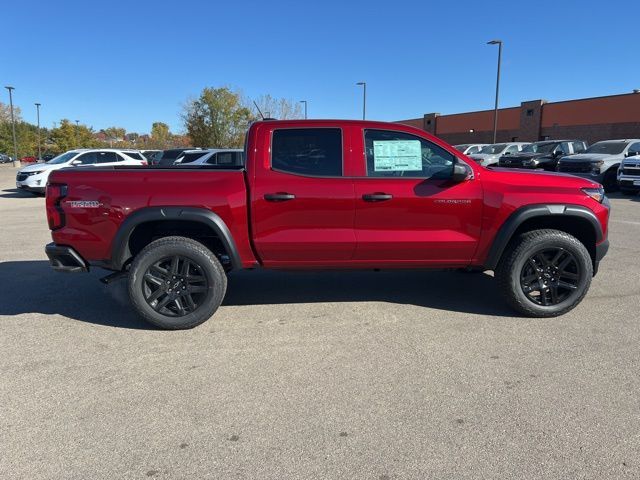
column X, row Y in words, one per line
column 132, row 63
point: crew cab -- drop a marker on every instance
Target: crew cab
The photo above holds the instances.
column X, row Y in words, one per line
column 327, row 194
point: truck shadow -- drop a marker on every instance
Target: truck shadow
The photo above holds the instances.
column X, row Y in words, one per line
column 32, row 287
column 445, row 290
column 17, row 193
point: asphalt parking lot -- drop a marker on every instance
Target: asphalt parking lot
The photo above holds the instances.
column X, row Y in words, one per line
column 388, row 375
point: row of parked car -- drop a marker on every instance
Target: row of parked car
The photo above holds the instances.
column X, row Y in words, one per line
column 34, row 176
column 613, row 163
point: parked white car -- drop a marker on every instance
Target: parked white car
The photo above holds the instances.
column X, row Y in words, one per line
column 469, row 148
column 34, row 177
column 490, row 154
column 211, row 156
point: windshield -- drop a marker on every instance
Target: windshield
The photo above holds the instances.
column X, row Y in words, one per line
column 539, row 147
column 607, row 148
column 493, row 149
column 64, row 158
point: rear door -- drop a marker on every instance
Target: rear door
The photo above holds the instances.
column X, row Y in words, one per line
column 408, row 210
column 303, row 205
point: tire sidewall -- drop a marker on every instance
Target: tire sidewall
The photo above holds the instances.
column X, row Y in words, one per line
column 215, row 282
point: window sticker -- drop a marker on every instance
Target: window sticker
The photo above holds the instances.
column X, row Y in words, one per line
column 397, row 156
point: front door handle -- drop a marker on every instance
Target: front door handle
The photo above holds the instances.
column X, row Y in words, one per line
column 279, row 197
column 376, row 197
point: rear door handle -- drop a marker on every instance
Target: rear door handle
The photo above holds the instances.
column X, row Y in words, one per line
column 376, row 197
column 279, row 197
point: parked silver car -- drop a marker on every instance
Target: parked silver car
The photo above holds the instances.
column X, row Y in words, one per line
column 469, row 148
column 600, row 162
column 490, row 154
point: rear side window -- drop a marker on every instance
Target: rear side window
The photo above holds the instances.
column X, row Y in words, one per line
column 192, row 157
column 136, row 155
column 308, row 151
column 398, row 154
column 224, row 158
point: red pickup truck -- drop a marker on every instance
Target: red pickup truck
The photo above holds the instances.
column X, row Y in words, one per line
column 319, row 194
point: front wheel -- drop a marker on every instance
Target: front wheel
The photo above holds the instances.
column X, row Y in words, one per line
column 610, row 181
column 176, row 283
column 545, row 273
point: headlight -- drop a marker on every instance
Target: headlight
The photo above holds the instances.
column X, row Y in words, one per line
column 28, row 174
column 596, row 193
column 596, row 166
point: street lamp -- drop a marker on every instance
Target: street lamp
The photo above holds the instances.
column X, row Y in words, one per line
column 305, row 108
column 16, row 162
column 364, row 98
column 38, row 114
column 495, row 111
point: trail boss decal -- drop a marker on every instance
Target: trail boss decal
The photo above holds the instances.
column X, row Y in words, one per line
column 84, row 204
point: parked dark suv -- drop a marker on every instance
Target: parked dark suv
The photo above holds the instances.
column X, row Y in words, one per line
column 543, row 154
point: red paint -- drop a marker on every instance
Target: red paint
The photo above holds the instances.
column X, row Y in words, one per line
column 427, row 223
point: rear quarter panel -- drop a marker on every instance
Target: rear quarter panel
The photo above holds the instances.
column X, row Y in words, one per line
column 118, row 193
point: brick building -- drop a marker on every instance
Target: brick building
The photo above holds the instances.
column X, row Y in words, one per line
column 591, row 119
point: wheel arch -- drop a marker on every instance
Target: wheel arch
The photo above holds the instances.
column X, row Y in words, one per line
column 138, row 229
column 575, row 220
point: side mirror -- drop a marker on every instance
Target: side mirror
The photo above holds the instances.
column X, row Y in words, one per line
column 76, row 162
column 631, row 154
column 507, row 153
column 461, row 172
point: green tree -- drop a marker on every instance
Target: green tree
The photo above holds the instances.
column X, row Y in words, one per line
column 160, row 136
column 217, row 118
column 68, row 136
column 5, row 113
column 115, row 135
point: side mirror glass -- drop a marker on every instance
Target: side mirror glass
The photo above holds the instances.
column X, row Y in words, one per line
column 76, row 162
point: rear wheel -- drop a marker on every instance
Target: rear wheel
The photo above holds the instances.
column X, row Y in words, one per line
column 545, row 273
column 176, row 283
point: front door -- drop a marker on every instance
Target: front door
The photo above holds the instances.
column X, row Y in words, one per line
column 408, row 210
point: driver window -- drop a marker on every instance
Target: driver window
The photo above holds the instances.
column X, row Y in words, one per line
column 87, row 158
column 398, row 154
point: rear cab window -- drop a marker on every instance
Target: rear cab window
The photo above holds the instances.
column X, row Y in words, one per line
column 313, row 152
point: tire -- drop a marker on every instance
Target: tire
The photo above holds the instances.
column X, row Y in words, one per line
column 610, row 180
column 516, row 269
column 176, row 283
column 628, row 191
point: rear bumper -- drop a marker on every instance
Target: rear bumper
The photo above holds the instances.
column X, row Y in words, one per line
column 65, row 259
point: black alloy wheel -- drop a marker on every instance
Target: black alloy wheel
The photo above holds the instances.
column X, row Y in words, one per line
column 174, row 286
column 550, row 276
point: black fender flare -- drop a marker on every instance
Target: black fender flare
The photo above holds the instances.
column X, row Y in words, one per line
column 522, row 214
column 120, row 247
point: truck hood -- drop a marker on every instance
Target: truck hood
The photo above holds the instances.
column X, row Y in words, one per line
column 39, row 167
column 589, row 157
column 540, row 179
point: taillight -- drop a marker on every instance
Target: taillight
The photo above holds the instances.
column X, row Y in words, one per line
column 145, row 163
column 55, row 215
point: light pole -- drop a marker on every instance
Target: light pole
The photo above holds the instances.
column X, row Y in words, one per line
column 38, row 114
column 495, row 110
column 16, row 161
column 305, row 108
column 364, row 98
column 77, row 133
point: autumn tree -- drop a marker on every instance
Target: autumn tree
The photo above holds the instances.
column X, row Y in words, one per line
column 280, row 108
column 68, row 136
column 217, row 118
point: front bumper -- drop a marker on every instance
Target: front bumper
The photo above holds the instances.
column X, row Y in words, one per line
column 65, row 259
column 628, row 182
column 601, row 250
column 35, row 183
